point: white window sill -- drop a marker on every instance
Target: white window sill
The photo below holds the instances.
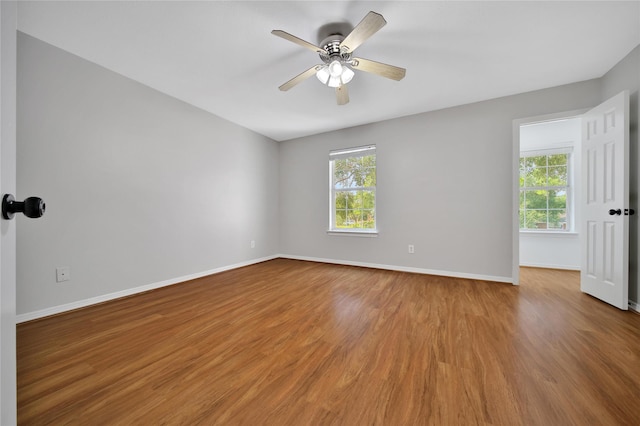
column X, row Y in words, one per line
column 348, row 233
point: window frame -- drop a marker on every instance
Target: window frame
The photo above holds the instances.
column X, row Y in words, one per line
column 568, row 150
column 354, row 152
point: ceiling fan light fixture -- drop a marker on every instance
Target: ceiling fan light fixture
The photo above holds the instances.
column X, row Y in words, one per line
column 323, row 75
column 335, row 68
column 335, row 74
column 334, row 82
column 347, row 75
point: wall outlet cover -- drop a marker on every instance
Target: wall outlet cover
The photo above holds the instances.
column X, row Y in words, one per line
column 63, row 273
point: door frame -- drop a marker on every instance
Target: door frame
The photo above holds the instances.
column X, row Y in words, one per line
column 8, row 107
column 515, row 181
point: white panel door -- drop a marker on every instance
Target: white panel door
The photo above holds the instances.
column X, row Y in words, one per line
column 604, row 271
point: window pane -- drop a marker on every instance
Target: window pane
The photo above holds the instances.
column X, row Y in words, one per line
column 368, row 219
column 369, row 170
column 536, row 199
column 370, row 160
column 340, row 165
column 355, row 172
column 341, row 200
column 535, row 219
column 357, row 200
column 539, row 161
column 535, row 176
column 557, row 219
column 345, row 199
column 368, row 200
column 343, row 178
column 558, row 176
column 369, row 179
column 352, row 219
column 558, row 159
column 557, row 199
column 356, row 218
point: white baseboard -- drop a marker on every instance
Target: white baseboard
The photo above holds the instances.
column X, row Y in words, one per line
column 634, row 305
column 129, row 292
column 403, row 269
column 540, row 265
column 29, row 316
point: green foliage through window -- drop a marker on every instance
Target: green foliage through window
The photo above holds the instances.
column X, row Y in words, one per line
column 353, row 189
column 544, row 186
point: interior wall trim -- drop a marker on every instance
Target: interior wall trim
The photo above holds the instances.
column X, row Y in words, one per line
column 550, row 266
column 403, row 269
column 30, row 316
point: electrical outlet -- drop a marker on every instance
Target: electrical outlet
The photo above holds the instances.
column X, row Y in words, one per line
column 63, row 273
column 253, row 244
column 411, row 249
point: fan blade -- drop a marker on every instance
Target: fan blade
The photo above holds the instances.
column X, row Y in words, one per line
column 342, row 94
column 369, row 25
column 297, row 40
column 300, row 78
column 384, row 70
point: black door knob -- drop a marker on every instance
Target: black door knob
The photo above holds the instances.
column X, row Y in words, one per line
column 612, row 212
column 32, row 207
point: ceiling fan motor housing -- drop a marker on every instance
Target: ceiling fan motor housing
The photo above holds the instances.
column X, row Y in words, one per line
column 331, row 44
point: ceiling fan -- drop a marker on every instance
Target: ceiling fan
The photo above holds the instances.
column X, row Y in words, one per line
column 336, row 51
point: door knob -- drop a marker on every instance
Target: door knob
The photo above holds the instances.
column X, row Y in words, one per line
column 617, row 212
column 31, row 207
column 629, row 212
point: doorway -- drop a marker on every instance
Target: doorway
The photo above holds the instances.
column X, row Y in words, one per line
column 604, row 202
column 549, row 208
column 549, row 238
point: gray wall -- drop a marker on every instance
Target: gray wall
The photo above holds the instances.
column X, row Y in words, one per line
column 444, row 185
column 626, row 76
column 140, row 188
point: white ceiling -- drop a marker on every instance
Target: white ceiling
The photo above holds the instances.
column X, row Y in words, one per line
column 221, row 57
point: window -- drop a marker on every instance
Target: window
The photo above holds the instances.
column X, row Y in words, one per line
column 545, row 201
column 353, row 189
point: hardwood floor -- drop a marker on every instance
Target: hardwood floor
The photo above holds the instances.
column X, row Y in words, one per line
column 299, row 343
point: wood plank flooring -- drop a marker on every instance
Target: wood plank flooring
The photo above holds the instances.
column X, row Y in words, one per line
column 299, row 343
